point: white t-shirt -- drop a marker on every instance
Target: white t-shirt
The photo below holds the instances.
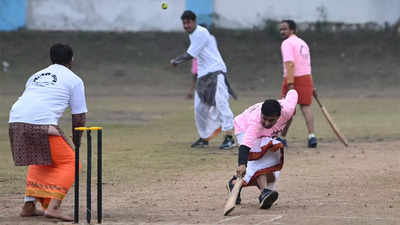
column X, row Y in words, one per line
column 48, row 93
column 203, row 47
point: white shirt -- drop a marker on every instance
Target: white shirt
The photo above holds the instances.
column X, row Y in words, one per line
column 48, row 93
column 203, row 46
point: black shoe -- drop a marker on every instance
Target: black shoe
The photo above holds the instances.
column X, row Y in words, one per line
column 229, row 142
column 283, row 141
column 267, row 198
column 312, row 142
column 229, row 187
column 201, row 143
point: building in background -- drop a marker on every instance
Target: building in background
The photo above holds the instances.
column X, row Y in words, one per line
column 147, row 15
column 12, row 14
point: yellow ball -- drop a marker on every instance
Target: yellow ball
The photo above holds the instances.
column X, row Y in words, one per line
column 164, row 5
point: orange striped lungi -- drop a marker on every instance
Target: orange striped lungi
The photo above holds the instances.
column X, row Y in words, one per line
column 46, row 182
column 304, row 87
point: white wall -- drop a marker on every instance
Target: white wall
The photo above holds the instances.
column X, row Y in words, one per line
column 247, row 14
column 102, row 15
column 147, row 15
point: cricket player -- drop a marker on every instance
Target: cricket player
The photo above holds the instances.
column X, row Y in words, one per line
column 260, row 156
column 36, row 139
column 297, row 74
column 211, row 100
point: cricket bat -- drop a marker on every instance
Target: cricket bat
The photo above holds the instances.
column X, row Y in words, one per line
column 231, row 202
column 339, row 135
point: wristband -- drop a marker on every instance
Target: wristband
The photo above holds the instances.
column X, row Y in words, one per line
column 243, row 155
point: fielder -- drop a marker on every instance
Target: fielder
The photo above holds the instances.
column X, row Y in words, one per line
column 36, row 139
column 211, row 99
column 297, row 74
column 261, row 151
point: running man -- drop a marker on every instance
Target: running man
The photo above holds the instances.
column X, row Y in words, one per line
column 36, row 139
column 297, row 74
column 260, row 158
column 211, row 101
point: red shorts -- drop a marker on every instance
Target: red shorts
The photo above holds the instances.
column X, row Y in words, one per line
column 304, row 87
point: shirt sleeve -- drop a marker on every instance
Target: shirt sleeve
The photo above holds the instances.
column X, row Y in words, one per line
column 78, row 99
column 289, row 103
column 28, row 82
column 197, row 42
column 287, row 52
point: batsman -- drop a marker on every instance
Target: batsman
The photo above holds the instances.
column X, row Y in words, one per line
column 260, row 157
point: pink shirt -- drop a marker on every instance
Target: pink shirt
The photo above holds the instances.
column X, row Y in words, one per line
column 194, row 66
column 296, row 50
column 249, row 121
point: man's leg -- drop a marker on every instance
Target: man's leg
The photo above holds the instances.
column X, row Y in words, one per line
column 267, row 196
column 206, row 122
column 307, row 113
column 29, row 208
column 54, row 211
column 225, row 114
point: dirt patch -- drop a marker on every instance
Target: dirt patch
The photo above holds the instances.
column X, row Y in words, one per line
column 330, row 185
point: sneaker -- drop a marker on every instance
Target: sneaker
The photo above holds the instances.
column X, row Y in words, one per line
column 283, row 141
column 201, row 143
column 312, row 142
column 229, row 142
column 229, row 187
column 267, row 198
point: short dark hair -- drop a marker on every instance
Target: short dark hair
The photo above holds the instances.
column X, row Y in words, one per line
column 291, row 23
column 188, row 15
column 61, row 54
column 271, row 107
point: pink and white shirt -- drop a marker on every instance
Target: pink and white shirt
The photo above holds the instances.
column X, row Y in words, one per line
column 249, row 121
column 296, row 50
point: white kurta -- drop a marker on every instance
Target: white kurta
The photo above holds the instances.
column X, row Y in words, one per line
column 210, row 118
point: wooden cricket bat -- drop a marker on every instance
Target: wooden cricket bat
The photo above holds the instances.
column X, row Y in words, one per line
column 339, row 135
column 231, row 202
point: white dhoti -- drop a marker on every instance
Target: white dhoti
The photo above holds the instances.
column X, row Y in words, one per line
column 210, row 118
column 265, row 157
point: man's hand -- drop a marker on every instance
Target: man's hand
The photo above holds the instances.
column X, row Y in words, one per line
column 290, row 86
column 53, row 131
column 241, row 170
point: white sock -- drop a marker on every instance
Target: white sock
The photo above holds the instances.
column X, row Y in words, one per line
column 29, row 199
column 271, row 185
column 312, row 135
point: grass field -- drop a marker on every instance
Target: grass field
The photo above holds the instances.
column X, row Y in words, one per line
column 152, row 176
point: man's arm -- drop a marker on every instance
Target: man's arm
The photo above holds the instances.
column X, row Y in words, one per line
column 242, row 160
column 78, row 120
column 289, row 65
column 180, row 59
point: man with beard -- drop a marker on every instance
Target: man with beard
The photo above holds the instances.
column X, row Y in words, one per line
column 297, row 75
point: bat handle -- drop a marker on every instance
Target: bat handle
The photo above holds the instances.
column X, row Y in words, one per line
column 315, row 94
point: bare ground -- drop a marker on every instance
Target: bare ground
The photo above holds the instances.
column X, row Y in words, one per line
column 331, row 185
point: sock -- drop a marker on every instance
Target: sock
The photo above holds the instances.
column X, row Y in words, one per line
column 312, row 135
column 29, row 199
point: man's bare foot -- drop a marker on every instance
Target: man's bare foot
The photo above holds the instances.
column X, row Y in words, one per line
column 51, row 213
column 29, row 209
